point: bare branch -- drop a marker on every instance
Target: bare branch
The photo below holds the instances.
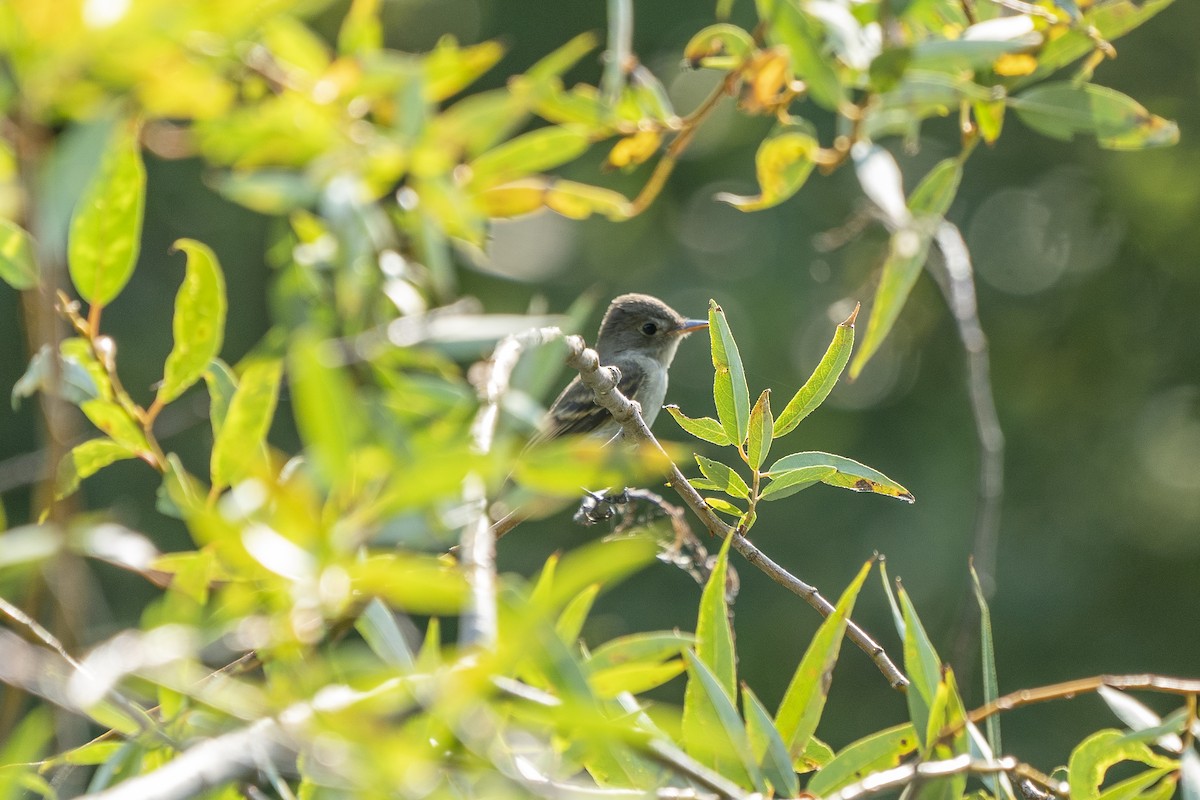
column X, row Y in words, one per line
column 906, row 774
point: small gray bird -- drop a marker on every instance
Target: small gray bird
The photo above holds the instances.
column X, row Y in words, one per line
column 639, row 336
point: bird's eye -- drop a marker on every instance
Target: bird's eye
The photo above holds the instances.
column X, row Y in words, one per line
column 649, row 329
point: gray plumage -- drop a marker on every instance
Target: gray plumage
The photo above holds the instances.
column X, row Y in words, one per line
column 639, row 335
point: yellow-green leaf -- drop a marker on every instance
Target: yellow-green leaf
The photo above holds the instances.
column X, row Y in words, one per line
column 768, row 747
column 85, row 460
column 730, row 393
column 1061, row 110
column 783, row 163
column 529, row 154
column 823, row 378
column 761, row 432
column 723, row 477
column 714, row 735
column 239, row 444
column 868, row 755
column 106, row 229
column 1093, row 757
column 849, row 473
column 804, row 701
column 199, row 322
column 329, row 416
column 114, row 420
column 789, row 482
column 922, row 665
column 17, row 266
column 705, row 428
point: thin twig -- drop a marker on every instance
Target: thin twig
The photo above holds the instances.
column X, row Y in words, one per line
column 1187, row 687
column 478, row 541
column 603, row 383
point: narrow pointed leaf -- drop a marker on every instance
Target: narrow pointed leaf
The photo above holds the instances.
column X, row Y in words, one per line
column 85, row 460
column 823, row 379
column 634, row 678
column 730, row 393
column 17, row 266
column 804, row 701
column 1061, row 110
column 650, row 647
column 199, row 322
column 528, row 154
column 991, row 686
column 868, row 755
column 946, row 711
column 715, row 735
column 330, row 418
column 106, row 229
column 723, row 477
column 379, row 629
column 570, row 621
column 762, row 430
column 849, row 473
column 723, row 506
column 222, row 384
column 922, row 665
column 1135, row 787
column 705, row 428
column 789, row 482
column 239, row 444
column 714, row 636
column 768, row 746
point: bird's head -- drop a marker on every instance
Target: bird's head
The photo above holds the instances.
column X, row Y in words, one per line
column 639, row 323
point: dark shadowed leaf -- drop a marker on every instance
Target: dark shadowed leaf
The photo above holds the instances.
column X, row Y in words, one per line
column 1061, row 110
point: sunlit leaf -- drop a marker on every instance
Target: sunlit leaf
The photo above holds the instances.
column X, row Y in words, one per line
column 730, row 392
column 634, row 678
column 1061, row 110
column 633, row 150
column 804, row 700
column 989, row 118
column 222, row 384
column 239, row 444
column 1109, row 20
column 936, row 191
column 415, row 583
column 199, row 322
column 85, row 460
column 873, row 753
column 723, row 477
column 379, row 629
column 17, row 265
column 28, row 544
column 818, row 386
column 789, row 482
column 653, row 647
column 783, row 163
column 529, row 154
column 991, row 685
column 361, row 31
column 1137, row 786
column 789, row 25
column 570, row 621
column 448, row 68
column 23, row 745
column 705, row 428
column 106, row 229
column 814, row 757
column 768, row 747
column 946, row 712
column 580, row 200
column 922, row 665
column 1093, row 757
column 850, row 474
column 329, row 415
column 718, row 46
column 114, row 420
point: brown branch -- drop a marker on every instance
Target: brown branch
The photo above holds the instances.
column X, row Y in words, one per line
column 1186, row 687
column 603, row 383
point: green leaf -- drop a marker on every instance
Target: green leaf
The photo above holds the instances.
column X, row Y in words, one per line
column 415, row 583
column 106, row 229
column 908, row 249
column 85, row 460
column 1061, row 110
column 331, row 419
column 1093, row 757
column 723, row 477
column 991, row 684
column 379, row 629
column 17, row 266
column 787, row 24
column 849, row 475
column 705, row 428
column 804, row 700
column 570, row 621
column 652, row 647
column 1107, row 21
column 361, row 31
column 782, row 164
column 239, row 444
column 730, row 393
column 24, row 744
column 714, row 733
column 529, row 154
column 762, row 431
column 1132, row 788
column 946, row 711
column 576, row 200
column 789, row 482
column 818, row 386
column 719, row 46
column 814, row 757
column 199, row 322
column 633, row 678
column 868, row 755
column 112, row 419
column 768, row 747
column 714, row 636
column 723, row 506
column 922, row 665
column 222, row 384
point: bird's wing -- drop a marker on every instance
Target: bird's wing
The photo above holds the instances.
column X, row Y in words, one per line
column 575, row 411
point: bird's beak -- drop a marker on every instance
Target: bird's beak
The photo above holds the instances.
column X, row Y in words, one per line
column 690, row 325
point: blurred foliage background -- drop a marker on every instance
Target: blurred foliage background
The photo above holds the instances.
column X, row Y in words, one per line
column 1089, row 289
